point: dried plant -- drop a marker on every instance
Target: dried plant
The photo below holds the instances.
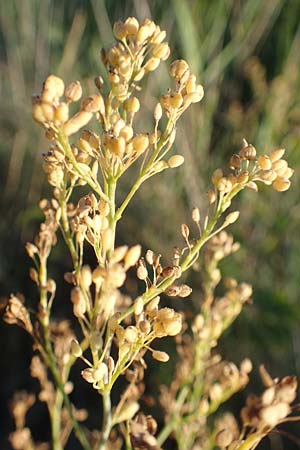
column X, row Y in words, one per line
column 115, row 331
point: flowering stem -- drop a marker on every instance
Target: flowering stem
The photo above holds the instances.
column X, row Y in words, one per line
column 107, row 420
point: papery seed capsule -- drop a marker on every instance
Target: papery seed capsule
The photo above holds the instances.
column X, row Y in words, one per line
column 142, row 272
column 248, row 152
column 131, row 334
column 173, row 327
column 76, row 122
column 288, row 173
column 185, row 291
column 235, row 162
column 159, row 36
column 99, row 82
column 51, row 286
column 119, row 30
column 246, row 365
column 73, row 91
column 79, row 309
column 160, row 356
column 175, row 100
column 140, row 143
column 118, row 254
column 117, row 146
column 88, row 375
column 281, row 184
column 55, row 85
column 224, row 438
column 107, row 239
column 126, row 132
column 86, row 276
column 190, row 84
column 100, row 373
column 172, row 291
column 138, row 306
column 279, row 165
column 133, row 105
column 76, row 350
column 76, row 295
column 151, row 64
column 277, row 154
column 185, row 231
column 194, row 97
column 178, row 68
column 48, row 110
column 161, row 51
column 264, row 162
column 61, row 113
column 212, row 196
column 175, row 161
column 144, row 326
column 216, row 176
column 232, row 217
column 131, row 25
column 153, row 304
column 157, row 113
column 93, row 104
column 268, row 175
column 132, row 256
column 224, row 185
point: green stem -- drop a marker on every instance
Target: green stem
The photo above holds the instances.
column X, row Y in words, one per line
column 55, row 417
column 107, row 420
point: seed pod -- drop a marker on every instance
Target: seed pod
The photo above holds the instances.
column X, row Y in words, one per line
column 76, row 122
column 175, row 100
column 279, row 165
column 224, row 438
column 142, row 272
column 224, row 185
column 157, row 113
column 232, row 217
column 100, row 373
column 132, row 256
column 243, row 177
column 88, row 375
column 131, row 334
column 281, row 184
column 61, row 113
column 161, row 51
column 132, row 26
column 185, row 231
column 153, row 304
column 160, row 356
column 178, row 68
column 248, row 152
column 194, row 97
column 76, row 350
column 138, row 306
column 117, row 146
column 277, row 154
column 53, row 88
column 264, row 162
column 175, row 161
column 196, row 215
column 235, row 162
column 133, row 105
column 119, row 30
column 144, row 326
column 140, row 143
column 185, row 291
column 93, row 104
column 73, row 91
column 152, row 64
column 172, row 291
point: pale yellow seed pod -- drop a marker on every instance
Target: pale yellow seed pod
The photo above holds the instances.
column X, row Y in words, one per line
column 161, row 51
column 246, row 366
column 175, row 161
column 88, row 375
column 127, row 411
column 132, row 26
column 113, row 78
column 38, row 113
column 224, row 438
column 175, row 100
column 279, row 165
column 143, row 34
column 232, row 217
column 173, row 327
column 117, row 146
column 132, row 256
column 216, row 176
column 272, row 414
column 139, row 75
column 118, row 127
column 159, row 36
column 131, row 334
column 48, row 111
column 133, row 105
column 138, row 306
column 56, row 176
column 194, row 97
column 93, row 104
column 77, row 295
column 157, row 113
column 100, row 373
column 76, row 350
column 264, row 162
column 73, row 91
column 120, row 30
column 153, row 304
column 160, row 356
column 61, row 113
column 86, row 276
column 76, row 122
column 224, row 185
column 215, row 392
column 144, row 326
column 268, row 175
column 126, row 132
column 196, row 215
column 178, row 68
column 103, row 207
column 288, row 173
column 152, row 64
column 281, row 184
column 277, row 154
column 140, row 143
column 107, row 239
column 79, row 309
column 54, row 85
column 191, row 84
column 142, row 272
column 118, row 254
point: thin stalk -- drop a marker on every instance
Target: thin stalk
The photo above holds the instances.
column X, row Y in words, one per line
column 55, row 416
column 107, row 420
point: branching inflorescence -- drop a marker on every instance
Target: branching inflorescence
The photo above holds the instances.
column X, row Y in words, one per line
column 116, row 330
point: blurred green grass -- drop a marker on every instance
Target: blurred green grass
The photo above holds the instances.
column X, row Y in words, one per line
column 246, row 54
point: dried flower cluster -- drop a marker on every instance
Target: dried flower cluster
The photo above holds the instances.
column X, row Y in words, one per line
column 117, row 331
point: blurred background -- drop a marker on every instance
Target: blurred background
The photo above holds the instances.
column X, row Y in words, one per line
column 246, row 53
